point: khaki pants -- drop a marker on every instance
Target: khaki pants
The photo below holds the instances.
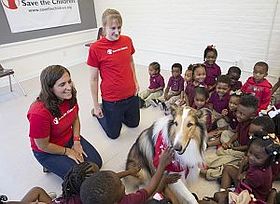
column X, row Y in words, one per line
column 147, row 96
column 172, row 100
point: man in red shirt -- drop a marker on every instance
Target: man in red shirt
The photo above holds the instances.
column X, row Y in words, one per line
column 111, row 57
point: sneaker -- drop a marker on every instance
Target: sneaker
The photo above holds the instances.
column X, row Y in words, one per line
column 154, row 102
column 141, row 103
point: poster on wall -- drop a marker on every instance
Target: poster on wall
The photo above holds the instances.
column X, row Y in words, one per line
column 28, row 15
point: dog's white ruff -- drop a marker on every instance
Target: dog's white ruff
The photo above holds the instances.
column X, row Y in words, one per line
column 179, row 188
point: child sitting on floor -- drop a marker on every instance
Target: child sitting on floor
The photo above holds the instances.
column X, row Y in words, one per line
column 234, row 74
column 174, row 88
column 155, row 88
column 233, row 150
column 212, row 69
column 198, row 76
column 220, row 97
column 227, row 127
column 255, row 173
column 259, row 86
column 70, row 186
column 105, row 187
column 246, row 112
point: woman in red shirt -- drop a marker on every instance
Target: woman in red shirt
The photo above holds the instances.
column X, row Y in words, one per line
column 55, row 126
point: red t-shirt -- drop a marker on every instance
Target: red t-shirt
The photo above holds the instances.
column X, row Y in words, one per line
column 140, row 197
column 113, row 59
column 43, row 124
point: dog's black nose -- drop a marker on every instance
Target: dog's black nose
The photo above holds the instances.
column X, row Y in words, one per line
column 178, row 147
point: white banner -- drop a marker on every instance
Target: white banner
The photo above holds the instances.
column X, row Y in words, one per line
column 27, row 15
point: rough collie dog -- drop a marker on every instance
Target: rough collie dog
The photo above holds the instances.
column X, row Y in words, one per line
column 185, row 130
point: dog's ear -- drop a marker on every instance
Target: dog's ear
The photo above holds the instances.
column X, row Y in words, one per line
column 174, row 109
column 204, row 114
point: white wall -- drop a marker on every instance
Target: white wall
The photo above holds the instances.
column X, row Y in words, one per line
column 28, row 58
column 168, row 31
column 244, row 32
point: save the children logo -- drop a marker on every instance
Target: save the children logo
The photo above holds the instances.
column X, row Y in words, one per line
column 11, row 4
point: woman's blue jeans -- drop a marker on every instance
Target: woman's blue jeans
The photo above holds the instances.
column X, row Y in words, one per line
column 115, row 113
column 61, row 164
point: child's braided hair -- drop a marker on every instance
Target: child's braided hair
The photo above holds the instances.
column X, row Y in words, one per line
column 75, row 177
column 271, row 144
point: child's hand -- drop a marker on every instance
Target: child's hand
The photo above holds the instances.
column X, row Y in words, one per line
column 226, row 145
column 167, row 97
column 242, row 176
column 166, row 157
column 224, row 112
column 134, row 168
column 171, row 178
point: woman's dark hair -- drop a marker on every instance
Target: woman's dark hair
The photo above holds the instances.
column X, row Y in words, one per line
column 271, row 144
column 210, row 48
column 75, row 177
column 48, row 78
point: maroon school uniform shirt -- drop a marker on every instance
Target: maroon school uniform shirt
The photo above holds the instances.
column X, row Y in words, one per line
column 176, row 84
column 140, row 197
column 219, row 104
column 259, row 179
column 156, row 81
column 261, row 90
column 242, row 130
column 231, row 119
column 212, row 72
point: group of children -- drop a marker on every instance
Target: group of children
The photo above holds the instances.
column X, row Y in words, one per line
column 85, row 183
column 233, row 121
column 248, row 148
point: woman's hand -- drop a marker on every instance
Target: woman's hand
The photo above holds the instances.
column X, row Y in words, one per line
column 78, row 148
column 73, row 154
column 98, row 111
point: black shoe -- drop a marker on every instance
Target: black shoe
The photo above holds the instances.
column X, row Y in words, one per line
column 45, row 170
column 141, row 103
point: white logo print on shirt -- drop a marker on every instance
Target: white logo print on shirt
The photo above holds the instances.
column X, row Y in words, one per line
column 111, row 51
column 56, row 120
